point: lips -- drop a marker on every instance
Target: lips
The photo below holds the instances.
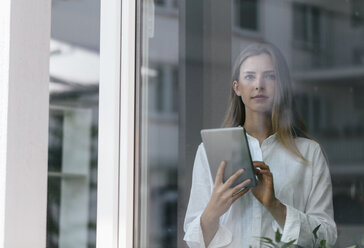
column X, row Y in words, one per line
column 260, row 97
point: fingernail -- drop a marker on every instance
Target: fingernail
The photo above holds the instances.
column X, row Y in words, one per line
column 241, row 170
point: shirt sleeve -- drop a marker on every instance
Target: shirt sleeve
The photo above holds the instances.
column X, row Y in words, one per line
column 299, row 225
column 200, row 195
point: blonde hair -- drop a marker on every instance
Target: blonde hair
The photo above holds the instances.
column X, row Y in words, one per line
column 286, row 121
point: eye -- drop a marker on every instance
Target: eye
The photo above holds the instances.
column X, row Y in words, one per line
column 271, row 76
column 249, row 77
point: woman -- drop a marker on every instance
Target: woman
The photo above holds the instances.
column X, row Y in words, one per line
column 294, row 192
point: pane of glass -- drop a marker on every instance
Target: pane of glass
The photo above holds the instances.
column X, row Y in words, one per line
column 185, row 61
column 246, row 14
column 73, row 124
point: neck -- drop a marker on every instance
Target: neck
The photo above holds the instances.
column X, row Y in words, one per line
column 258, row 125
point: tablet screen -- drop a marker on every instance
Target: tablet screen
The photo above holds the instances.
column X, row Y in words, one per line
column 230, row 145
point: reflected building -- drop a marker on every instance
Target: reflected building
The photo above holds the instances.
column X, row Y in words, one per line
column 73, row 124
column 72, row 155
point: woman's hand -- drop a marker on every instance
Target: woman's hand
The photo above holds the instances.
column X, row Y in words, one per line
column 264, row 192
column 223, row 196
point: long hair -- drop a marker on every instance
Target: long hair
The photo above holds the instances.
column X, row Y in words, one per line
column 286, row 121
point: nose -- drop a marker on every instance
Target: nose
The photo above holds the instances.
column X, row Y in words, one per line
column 259, row 84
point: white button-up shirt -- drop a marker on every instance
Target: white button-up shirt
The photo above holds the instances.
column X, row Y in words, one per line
column 303, row 187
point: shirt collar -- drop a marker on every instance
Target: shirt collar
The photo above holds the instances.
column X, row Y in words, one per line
column 267, row 141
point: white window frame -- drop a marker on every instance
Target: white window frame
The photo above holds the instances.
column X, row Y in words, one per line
column 115, row 204
column 24, row 91
column 24, row 106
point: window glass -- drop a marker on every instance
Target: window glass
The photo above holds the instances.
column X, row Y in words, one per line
column 307, row 25
column 246, row 14
column 357, row 10
column 73, row 124
column 184, row 64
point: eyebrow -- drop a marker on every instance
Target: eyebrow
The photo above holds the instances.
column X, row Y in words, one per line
column 253, row 72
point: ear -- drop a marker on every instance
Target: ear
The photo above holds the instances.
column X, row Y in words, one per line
column 236, row 88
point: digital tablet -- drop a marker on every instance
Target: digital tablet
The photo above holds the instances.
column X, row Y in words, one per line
column 230, row 145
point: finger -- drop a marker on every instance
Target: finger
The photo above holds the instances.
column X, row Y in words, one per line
column 235, row 176
column 265, row 175
column 260, row 176
column 261, row 165
column 220, row 173
column 265, row 172
column 238, row 187
column 240, row 194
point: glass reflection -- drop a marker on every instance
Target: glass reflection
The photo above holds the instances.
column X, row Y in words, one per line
column 73, row 124
column 72, row 168
column 186, row 59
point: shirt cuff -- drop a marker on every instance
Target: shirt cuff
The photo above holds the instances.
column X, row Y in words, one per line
column 222, row 238
column 194, row 235
column 292, row 225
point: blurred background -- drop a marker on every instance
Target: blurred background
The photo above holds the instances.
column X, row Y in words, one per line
column 185, row 53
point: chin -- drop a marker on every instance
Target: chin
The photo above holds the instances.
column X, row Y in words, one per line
column 263, row 110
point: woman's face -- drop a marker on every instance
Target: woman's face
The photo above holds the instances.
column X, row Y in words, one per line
column 256, row 84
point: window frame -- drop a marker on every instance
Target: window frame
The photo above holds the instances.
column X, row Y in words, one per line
column 24, row 74
column 115, row 215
